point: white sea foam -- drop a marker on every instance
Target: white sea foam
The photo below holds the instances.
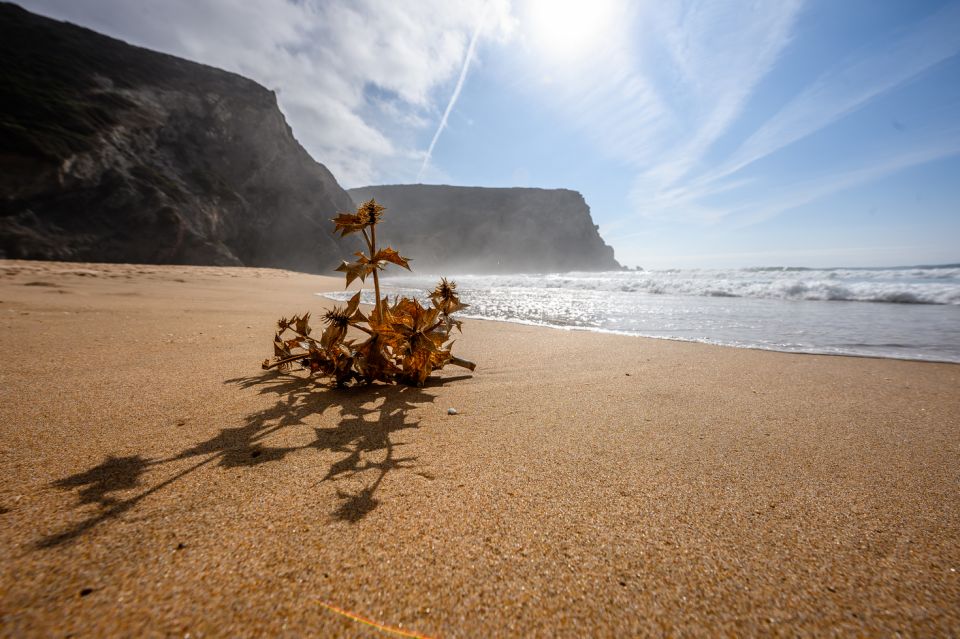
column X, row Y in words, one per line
column 908, row 286
column 914, row 314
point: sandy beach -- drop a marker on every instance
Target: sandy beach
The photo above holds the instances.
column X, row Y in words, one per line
column 154, row 481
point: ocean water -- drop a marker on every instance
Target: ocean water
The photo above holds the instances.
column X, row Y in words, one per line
column 906, row 313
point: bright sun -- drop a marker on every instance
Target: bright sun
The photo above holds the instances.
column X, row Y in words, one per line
column 569, row 28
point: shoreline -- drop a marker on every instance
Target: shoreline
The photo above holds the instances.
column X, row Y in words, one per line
column 156, row 481
column 705, row 341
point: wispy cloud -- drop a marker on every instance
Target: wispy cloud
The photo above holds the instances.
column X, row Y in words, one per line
column 936, row 147
column 681, row 186
column 752, row 201
column 357, row 79
column 667, row 81
column 456, row 92
column 850, row 86
column 721, row 50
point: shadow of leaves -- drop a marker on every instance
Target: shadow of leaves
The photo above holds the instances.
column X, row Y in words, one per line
column 368, row 417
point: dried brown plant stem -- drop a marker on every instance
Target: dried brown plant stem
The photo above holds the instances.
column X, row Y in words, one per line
column 284, row 361
column 376, row 278
column 307, row 337
column 462, row 363
column 371, row 241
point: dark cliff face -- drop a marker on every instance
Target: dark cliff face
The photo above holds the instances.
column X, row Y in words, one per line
column 110, row 152
column 487, row 230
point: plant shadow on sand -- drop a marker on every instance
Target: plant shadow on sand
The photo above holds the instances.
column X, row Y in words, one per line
column 369, row 415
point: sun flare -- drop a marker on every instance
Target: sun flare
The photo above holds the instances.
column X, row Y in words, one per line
column 570, row 28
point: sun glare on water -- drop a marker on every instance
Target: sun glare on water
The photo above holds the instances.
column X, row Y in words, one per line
column 569, row 28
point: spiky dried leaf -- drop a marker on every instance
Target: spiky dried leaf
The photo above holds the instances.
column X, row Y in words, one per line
column 302, row 324
column 357, row 270
column 347, row 223
column 280, row 348
column 389, row 255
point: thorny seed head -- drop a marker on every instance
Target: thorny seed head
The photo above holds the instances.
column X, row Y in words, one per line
column 445, row 290
column 369, row 213
column 445, row 298
column 337, row 316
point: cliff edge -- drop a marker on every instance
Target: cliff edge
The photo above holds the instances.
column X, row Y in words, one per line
column 490, row 230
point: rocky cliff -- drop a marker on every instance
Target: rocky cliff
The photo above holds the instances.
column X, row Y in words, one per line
column 474, row 229
column 110, row 152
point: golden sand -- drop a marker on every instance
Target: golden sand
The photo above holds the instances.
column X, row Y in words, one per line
column 156, row 482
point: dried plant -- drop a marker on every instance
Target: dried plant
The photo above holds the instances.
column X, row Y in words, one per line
column 402, row 342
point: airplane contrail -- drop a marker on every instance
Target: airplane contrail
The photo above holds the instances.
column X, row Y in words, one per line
column 456, row 91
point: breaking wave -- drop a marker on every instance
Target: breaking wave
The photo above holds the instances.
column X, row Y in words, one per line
column 898, row 286
column 914, row 312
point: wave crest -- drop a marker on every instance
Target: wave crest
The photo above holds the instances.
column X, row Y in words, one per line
column 896, row 286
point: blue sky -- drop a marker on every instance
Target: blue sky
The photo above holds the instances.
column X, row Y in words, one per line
column 705, row 133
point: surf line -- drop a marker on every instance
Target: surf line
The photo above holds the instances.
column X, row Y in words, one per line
column 370, row 622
